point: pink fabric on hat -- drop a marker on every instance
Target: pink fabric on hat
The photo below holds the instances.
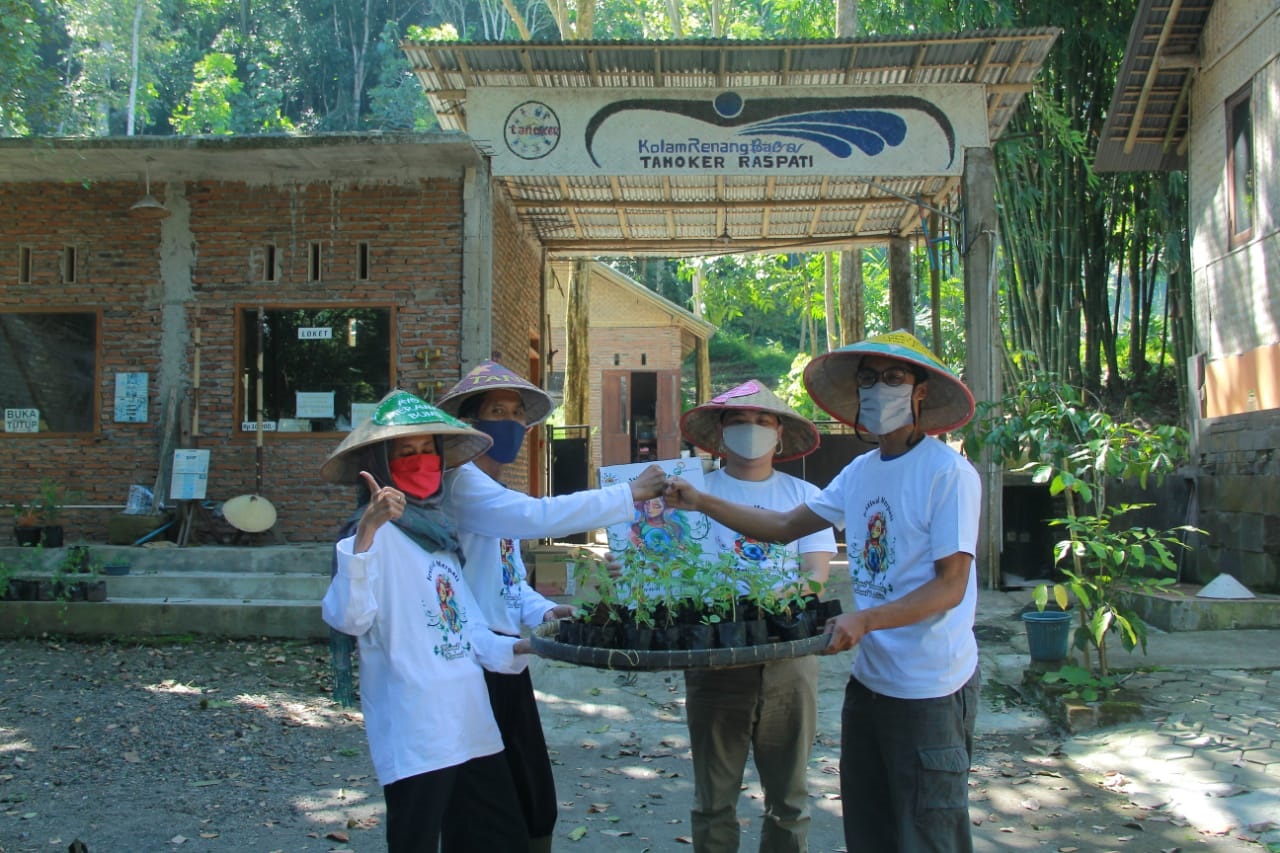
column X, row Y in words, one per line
column 746, row 389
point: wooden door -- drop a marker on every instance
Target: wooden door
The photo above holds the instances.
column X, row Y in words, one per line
column 615, row 417
column 667, row 414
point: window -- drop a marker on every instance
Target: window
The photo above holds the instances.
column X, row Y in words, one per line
column 49, row 371
column 69, row 264
column 1240, row 166
column 317, row 363
column 313, row 261
column 362, row 261
column 24, row 265
column 269, row 262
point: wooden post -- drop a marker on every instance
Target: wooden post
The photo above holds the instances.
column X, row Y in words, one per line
column 577, row 352
column 701, row 347
column 852, row 306
column 982, row 336
column 902, row 311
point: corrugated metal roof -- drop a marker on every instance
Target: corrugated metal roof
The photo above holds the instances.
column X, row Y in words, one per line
column 699, row 214
column 1147, row 122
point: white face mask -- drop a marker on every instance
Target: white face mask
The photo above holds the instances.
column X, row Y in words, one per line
column 750, row 441
column 885, row 408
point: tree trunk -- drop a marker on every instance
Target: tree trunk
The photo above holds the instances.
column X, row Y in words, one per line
column 935, row 283
column 852, row 305
column 577, row 386
column 133, row 70
column 829, row 299
column 846, row 18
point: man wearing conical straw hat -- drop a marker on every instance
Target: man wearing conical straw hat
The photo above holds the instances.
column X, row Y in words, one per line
column 910, row 509
column 491, row 520
column 399, row 588
column 770, row 710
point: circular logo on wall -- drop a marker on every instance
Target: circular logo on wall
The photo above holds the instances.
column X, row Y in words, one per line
column 532, row 130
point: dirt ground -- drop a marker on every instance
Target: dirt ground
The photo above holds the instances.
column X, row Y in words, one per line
column 209, row 745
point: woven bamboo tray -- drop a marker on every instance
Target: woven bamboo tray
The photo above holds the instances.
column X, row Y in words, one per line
column 545, row 644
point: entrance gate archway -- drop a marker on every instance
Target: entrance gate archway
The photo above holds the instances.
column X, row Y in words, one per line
column 691, row 148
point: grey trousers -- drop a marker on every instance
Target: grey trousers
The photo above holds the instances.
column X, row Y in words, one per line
column 771, row 711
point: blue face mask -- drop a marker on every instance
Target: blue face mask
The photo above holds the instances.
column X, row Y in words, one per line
column 507, row 437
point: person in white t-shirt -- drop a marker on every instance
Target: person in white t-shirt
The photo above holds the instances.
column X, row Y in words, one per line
column 423, row 640
column 491, row 519
column 911, row 512
column 769, row 710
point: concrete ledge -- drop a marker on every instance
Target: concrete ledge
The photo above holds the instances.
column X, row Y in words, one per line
column 314, row 558
column 265, row 618
column 1182, row 611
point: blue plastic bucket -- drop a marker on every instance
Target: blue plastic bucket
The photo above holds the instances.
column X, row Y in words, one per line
column 1048, row 633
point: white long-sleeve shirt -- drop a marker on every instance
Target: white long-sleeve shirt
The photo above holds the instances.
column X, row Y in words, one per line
column 423, row 642
column 491, row 519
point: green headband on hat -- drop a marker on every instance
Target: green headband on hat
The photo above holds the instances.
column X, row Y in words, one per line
column 400, row 415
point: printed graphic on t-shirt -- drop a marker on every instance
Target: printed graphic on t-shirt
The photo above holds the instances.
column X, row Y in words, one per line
column 510, row 575
column 448, row 616
column 869, row 566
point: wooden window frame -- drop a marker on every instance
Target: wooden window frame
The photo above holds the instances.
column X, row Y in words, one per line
column 1238, row 236
column 245, row 368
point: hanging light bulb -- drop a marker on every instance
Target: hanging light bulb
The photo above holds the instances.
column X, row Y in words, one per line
column 147, row 207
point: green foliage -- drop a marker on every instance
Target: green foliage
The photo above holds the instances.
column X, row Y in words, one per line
column 46, row 507
column 207, row 109
column 1102, row 564
column 792, row 391
column 397, row 101
column 1085, row 685
column 1059, row 435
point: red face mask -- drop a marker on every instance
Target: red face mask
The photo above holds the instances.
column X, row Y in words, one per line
column 417, row 475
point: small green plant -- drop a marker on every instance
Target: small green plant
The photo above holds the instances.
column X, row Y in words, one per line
column 1064, row 439
column 51, row 500
column 1084, row 684
column 1102, row 564
column 25, row 514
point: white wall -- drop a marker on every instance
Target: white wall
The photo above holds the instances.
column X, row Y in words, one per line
column 1237, row 291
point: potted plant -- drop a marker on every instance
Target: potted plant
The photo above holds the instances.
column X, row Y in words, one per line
column 27, row 530
column 52, row 498
column 1065, row 440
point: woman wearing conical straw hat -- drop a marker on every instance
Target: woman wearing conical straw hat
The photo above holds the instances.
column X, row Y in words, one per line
column 910, row 510
column 491, row 520
column 424, row 645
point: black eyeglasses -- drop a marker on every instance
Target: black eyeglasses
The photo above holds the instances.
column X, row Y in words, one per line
column 891, row 376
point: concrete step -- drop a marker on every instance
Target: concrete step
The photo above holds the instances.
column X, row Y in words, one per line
column 269, row 591
column 308, row 558
column 157, row 617
column 235, row 586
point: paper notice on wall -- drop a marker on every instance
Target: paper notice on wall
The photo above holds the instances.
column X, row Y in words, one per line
column 361, row 412
column 131, row 398
column 21, row 420
column 313, row 404
column 190, row 475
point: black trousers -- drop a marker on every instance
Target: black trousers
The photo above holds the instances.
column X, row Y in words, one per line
column 468, row 808
column 525, row 748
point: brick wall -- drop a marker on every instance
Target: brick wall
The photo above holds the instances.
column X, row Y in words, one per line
column 517, row 311
column 155, row 281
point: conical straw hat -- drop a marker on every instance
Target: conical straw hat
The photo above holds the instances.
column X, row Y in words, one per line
column 701, row 425
column 488, row 376
column 833, row 383
column 398, row 415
